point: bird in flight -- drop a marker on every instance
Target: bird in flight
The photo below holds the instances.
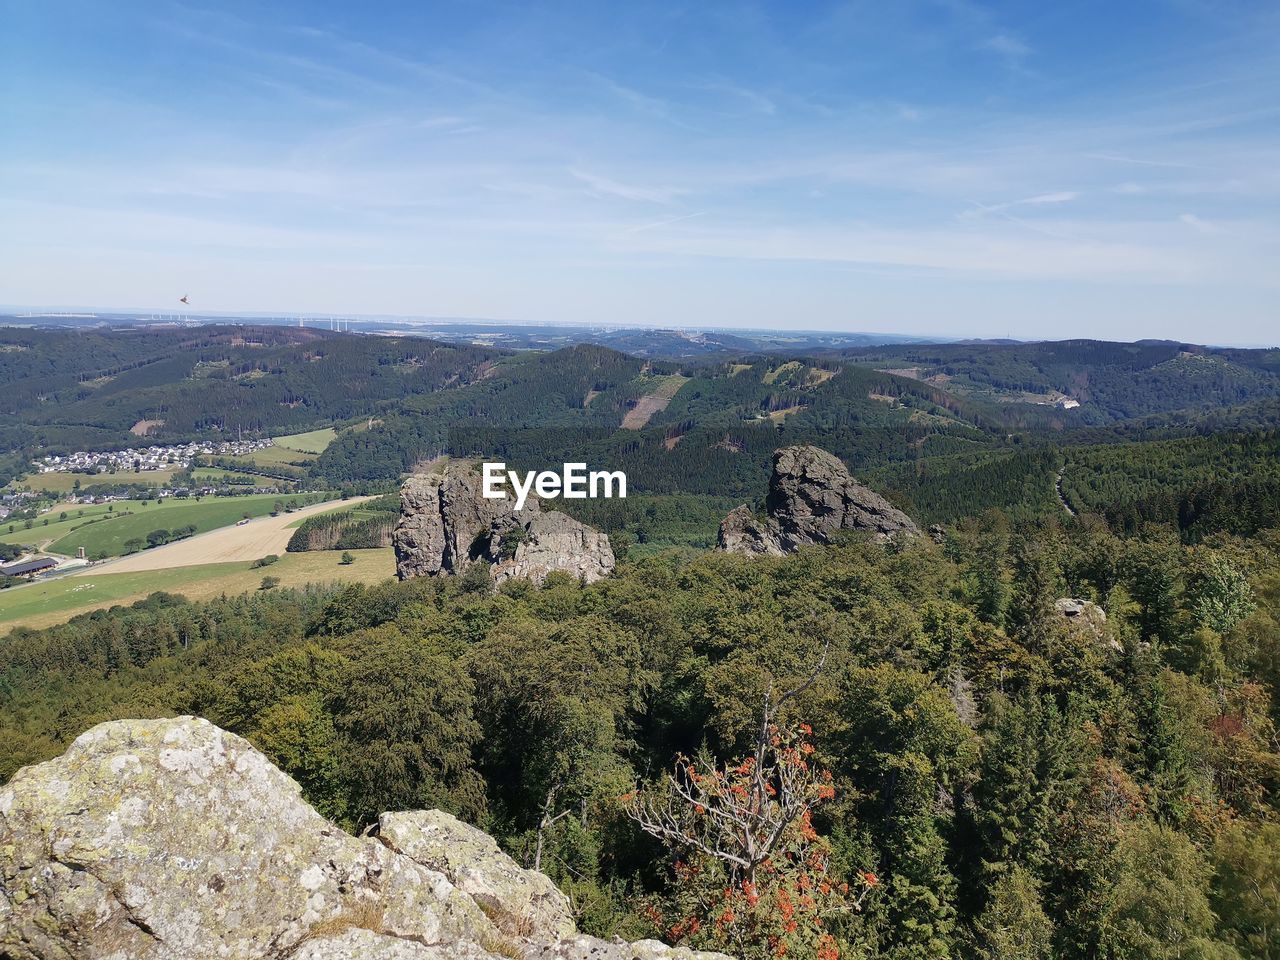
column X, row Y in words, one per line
column 183, row 299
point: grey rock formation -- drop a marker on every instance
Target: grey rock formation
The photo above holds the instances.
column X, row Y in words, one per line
column 446, row 524
column 556, row 542
column 174, row 840
column 583, row 947
column 1087, row 618
column 742, row 532
column 358, row 943
column 811, row 498
column 519, row 901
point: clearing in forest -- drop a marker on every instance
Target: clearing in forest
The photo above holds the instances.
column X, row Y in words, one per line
column 653, row 401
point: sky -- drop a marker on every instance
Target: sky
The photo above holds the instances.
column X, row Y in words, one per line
column 943, row 167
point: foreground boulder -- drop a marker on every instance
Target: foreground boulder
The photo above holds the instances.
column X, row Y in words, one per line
column 175, row 840
column 811, row 499
column 446, row 524
column 519, row 901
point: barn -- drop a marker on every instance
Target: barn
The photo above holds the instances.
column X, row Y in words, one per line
column 28, row 568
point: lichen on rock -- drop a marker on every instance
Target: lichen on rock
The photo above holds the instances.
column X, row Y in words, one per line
column 176, row 840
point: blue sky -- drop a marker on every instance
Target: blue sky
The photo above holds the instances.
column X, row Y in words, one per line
column 1107, row 169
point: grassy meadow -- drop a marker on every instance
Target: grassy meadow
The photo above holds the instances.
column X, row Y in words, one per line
column 131, row 520
column 313, row 441
column 47, row 602
column 66, row 482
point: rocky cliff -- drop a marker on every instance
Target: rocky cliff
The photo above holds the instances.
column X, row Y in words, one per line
column 811, row 498
column 175, row 840
column 446, row 525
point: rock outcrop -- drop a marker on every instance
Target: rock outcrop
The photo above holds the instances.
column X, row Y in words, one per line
column 519, row 901
column 743, row 532
column 446, row 524
column 811, row 498
column 1086, row 618
column 175, row 840
column 551, row 542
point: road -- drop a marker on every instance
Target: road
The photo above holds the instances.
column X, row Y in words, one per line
column 257, row 538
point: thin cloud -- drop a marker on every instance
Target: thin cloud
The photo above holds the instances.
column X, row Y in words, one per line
column 1203, row 226
column 1042, row 199
column 661, row 223
column 609, row 187
column 1008, row 46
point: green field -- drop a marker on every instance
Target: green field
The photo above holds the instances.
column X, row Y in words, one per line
column 313, row 442
column 108, row 537
column 269, row 457
column 215, row 475
column 65, row 482
column 52, row 601
column 55, row 529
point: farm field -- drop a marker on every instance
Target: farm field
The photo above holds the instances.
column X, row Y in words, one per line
column 215, row 475
column 228, row 544
column 312, row 442
column 275, row 457
column 107, row 538
column 66, row 482
column 41, row 532
column 48, row 602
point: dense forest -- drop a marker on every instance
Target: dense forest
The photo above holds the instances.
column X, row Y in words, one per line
column 991, row 778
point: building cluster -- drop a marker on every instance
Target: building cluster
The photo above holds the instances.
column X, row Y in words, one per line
column 140, row 459
column 11, row 501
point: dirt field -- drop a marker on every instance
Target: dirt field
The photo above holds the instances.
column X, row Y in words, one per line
column 651, row 403
column 255, row 539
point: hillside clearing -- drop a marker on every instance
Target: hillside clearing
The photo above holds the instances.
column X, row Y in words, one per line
column 313, row 441
column 653, row 402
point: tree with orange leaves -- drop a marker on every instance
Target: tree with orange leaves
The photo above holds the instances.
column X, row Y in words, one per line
column 754, row 876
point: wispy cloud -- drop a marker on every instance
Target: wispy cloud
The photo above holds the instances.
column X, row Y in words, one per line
column 1007, row 45
column 1203, row 226
column 606, row 186
column 653, row 225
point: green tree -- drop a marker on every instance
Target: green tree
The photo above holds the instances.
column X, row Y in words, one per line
column 405, row 713
column 1246, row 894
column 1014, row 926
column 1218, row 593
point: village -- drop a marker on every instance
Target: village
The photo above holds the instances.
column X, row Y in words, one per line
column 141, row 459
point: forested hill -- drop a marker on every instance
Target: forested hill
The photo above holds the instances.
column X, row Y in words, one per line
column 702, row 429
column 945, row 431
column 1111, row 381
column 69, row 390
